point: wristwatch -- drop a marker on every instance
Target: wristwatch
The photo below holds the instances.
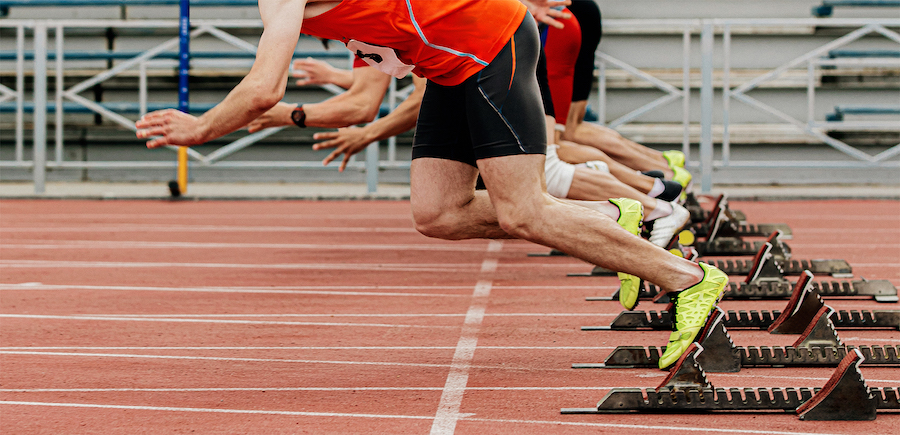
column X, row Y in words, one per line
column 299, row 116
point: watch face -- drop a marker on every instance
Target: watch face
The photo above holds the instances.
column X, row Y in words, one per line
column 299, row 117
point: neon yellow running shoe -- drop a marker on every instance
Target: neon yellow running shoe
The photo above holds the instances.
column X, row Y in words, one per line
column 692, row 308
column 631, row 213
column 674, row 157
column 682, row 176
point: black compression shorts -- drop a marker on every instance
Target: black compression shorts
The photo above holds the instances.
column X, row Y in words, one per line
column 496, row 112
column 588, row 15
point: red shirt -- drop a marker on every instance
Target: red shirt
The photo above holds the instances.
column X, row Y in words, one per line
column 561, row 51
column 446, row 40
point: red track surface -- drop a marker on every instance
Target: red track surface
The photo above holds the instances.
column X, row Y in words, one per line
column 338, row 317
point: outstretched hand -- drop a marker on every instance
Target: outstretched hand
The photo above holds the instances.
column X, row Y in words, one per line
column 310, row 71
column 347, row 141
column 169, row 127
column 543, row 11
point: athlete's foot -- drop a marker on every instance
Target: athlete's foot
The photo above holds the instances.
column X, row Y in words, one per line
column 665, row 228
column 674, row 157
column 684, row 178
column 671, row 192
column 654, row 174
column 631, row 213
column 692, row 308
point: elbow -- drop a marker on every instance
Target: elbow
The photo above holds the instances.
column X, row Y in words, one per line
column 367, row 113
column 262, row 98
column 263, row 102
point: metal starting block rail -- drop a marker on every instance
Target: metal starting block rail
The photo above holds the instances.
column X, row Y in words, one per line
column 818, row 346
column 879, row 290
column 799, row 312
column 845, row 395
column 766, row 283
column 662, row 320
column 771, row 261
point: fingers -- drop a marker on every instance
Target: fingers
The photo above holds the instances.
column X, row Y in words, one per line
column 157, row 142
column 344, row 162
column 331, row 157
column 330, row 142
column 548, row 19
column 558, row 14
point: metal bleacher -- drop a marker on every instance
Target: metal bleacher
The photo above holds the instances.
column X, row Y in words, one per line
column 105, row 62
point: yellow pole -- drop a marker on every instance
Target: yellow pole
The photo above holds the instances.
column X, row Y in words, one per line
column 182, row 170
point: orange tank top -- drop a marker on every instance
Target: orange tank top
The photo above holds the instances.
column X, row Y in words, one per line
column 446, row 41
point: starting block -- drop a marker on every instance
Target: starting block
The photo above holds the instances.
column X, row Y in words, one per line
column 804, row 304
column 722, row 222
column 845, row 395
column 772, row 260
column 699, row 214
column 818, row 346
column 766, row 282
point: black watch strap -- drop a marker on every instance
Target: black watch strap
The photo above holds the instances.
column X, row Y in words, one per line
column 299, row 116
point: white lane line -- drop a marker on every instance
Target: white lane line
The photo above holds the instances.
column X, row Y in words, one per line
column 265, row 389
column 201, row 316
column 455, row 386
column 692, row 428
column 386, row 267
column 215, row 321
column 217, row 411
column 348, row 290
column 98, row 244
column 276, row 360
column 212, row 358
column 300, row 348
column 145, row 228
column 66, row 217
column 311, row 289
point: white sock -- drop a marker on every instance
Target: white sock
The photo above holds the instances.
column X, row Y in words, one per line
column 662, row 209
column 658, row 187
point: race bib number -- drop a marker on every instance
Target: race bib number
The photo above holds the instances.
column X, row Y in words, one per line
column 383, row 59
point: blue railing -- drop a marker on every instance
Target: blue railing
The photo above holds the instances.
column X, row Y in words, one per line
column 827, row 6
column 6, row 4
column 840, row 111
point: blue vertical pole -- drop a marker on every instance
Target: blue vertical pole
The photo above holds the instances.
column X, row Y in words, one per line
column 184, row 40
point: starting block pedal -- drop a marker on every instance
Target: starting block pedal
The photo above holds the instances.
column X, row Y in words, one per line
column 819, row 346
column 736, row 247
column 722, row 222
column 700, row 215
column 804, row 304
column 845, row 395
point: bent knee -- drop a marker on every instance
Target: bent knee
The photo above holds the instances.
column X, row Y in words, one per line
column 436, row 223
